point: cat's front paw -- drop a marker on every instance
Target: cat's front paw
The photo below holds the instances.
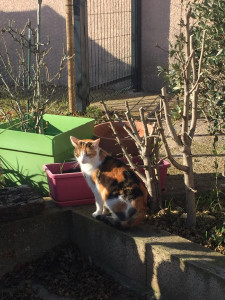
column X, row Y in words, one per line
column 96, row 213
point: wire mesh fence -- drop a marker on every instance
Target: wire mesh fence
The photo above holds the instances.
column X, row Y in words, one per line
column 111, row 45
column 111, row 52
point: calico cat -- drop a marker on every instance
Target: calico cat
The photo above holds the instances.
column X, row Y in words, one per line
column 116, row 187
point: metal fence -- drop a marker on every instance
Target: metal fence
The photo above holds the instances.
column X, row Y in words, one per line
column 106, row 42
column 112, row 46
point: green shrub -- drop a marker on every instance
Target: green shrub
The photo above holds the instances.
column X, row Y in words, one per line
column 206, row 15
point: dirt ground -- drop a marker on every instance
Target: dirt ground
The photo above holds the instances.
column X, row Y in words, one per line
column 210, row 187
column 63, row 274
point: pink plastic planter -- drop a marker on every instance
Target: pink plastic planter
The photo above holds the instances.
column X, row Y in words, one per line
column 71, row 189
column 162, row 170
column 68, row 189
column 162, row 173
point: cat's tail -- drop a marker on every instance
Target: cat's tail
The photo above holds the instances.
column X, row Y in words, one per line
column 134, row 220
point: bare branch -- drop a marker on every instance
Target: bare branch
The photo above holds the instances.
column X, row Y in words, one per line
column 146, row 133
column 5, row 115
column 169, row 155
column 132, row 125
column 127, row 156
column 196, row 87
column 202, row 54
column 168, row 118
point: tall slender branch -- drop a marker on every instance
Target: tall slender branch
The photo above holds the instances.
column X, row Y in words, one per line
column 168, row 119
column 196, row 81
column 167, row 148
column 126, row 154
column 132, row 124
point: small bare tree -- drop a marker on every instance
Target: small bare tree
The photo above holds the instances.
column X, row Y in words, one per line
column 148, row 152
column 28, row 79
column 191, row 74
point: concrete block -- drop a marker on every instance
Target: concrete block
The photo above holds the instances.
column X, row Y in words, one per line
column 107, row 246
column 173, row 267
column 180, row 269
column 28, row 239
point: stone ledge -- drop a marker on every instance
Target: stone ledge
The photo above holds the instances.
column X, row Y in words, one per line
column 28, row 239
column 19, row 202
column 173, row 267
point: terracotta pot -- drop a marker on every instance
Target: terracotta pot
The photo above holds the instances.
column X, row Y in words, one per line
column 108, row 141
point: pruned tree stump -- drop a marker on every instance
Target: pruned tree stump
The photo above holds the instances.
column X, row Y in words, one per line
column 19, row 202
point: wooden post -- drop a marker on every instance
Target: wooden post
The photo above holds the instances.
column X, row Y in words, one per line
column 70, row 54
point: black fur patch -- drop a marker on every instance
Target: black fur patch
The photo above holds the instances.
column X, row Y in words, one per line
column 131, row 211
column 129, row 175
column 121, row 215
column 109, row 221
column 114, row 183
column 132, row 193
column 89, row 144
column 110, row 162
column 114, row 194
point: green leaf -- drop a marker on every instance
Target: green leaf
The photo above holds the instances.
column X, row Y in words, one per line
column 218, row 53
column 219, row 102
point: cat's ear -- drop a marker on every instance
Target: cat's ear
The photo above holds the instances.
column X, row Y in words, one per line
column 74, row 141
column 96, row 143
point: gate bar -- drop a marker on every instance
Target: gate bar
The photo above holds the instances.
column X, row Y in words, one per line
column 81, row 56
column 136, row 43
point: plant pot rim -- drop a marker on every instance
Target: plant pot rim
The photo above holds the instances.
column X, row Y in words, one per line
column 74, row 164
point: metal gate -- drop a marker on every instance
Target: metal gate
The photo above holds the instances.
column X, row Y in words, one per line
column 109, row 54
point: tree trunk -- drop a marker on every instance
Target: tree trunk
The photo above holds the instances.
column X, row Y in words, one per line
column 189, row 190
column 151, row 185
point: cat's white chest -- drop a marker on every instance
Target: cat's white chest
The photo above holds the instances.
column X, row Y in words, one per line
column 88, row 168
column 87, row 171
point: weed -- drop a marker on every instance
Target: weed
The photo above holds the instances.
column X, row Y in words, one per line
column 208, row 201
column 2, row 183
column 218, row 236
column 168, row 205
column 96, row 113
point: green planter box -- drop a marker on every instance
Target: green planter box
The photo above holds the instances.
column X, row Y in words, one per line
column 22, row 154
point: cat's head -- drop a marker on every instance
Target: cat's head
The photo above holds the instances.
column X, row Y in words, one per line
column 85, row 150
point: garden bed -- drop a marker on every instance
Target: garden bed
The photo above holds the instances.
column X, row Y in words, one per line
column 210, row 196
column 62, row 272
column 208, row 232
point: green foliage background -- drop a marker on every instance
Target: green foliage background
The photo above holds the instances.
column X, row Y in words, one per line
column 206, row 15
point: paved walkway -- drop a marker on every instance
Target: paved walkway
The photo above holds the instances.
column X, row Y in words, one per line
column 150, row 102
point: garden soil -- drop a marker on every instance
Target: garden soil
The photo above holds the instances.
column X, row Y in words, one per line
column 62, row 274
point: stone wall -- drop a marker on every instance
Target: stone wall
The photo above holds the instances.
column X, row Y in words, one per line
column 52, row 25
column 160, row 20
column 159, row 24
